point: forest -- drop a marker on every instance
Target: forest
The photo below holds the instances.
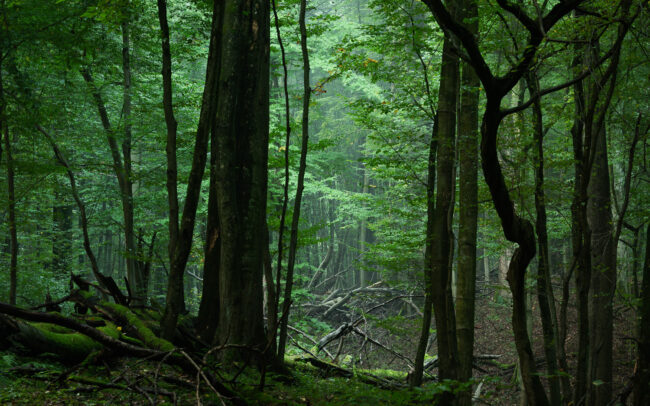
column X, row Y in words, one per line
column 325, row 202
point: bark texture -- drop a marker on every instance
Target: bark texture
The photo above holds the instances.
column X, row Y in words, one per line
column 641, row 388
column 468, row 199
column 179, row 253
column 242, row 144
column 293, row 239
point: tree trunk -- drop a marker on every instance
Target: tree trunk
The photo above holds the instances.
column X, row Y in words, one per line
column 443, row 306
column 181, row 250
column 209, row 308
column 544, row 286
column 580, row 236
column 11, row 202
column 603, row 277
column 416, row 377
column 62, row 217
column 293, row 241
column 242, row 143
column 468, row 197
column 641, row 388
column 135, row 277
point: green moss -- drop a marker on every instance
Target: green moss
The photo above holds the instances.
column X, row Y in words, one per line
column 144, row 333
column 66, row 343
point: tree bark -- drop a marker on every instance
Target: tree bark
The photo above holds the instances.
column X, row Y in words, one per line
column 516, row 228
column 11, row 201
column 242, row 142
column 172, row 125
column 467, row 223
column 181, row 250
column 209, row 307
column 443, row 306
column 416, row 376
column 641, row 388
column 293, row 239
column 544, row 287
column 134, row 275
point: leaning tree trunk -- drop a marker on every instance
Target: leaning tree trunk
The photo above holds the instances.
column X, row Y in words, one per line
column 180, row 252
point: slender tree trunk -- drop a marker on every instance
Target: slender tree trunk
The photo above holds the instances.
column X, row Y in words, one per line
column 416, row 376
column 293, row 242
column 468, row 196
column 209, row 307
column 285, row 189
column 181, row 250
column 271, row 294
column 443, row 306
column 11, row 203
column 62, row 218
column 172, row 125
column 135, row 277
column 641, row 387
column 544, row 286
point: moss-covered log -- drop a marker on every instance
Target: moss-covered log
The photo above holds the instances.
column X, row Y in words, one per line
column 91, row 339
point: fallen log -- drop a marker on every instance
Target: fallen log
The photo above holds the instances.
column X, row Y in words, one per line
column 118, row 347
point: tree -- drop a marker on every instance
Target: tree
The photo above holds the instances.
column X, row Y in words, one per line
column 242, row 138
column 468, row 200
column 439, row 222
column 515, row 228
column 293, row 239
column 180, row 241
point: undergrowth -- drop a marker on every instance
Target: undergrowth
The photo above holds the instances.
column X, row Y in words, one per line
column 45, row 381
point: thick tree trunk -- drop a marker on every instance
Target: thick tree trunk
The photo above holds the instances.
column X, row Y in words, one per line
column 242, row 141
column 603, row 277
column 580, row 236
column 468, row 197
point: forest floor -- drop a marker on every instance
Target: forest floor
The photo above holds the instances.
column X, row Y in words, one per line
column 44, row 380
